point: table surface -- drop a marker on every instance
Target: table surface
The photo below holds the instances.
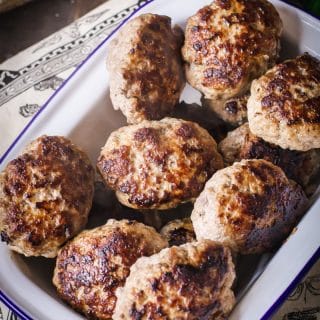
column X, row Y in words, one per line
column 26, row 25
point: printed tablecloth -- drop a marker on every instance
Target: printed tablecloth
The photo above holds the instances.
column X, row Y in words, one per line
column 30, row 77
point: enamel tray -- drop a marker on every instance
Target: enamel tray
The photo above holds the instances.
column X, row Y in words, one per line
column 81, row 109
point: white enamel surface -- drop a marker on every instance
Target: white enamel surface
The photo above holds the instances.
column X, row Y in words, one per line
column 82, row 110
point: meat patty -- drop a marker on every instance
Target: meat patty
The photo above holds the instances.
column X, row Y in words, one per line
column 178, row 232
column 299, row 166
column 250, row 206
column 191, row 282
column 94, row 264
column 284, row 106
column 233, row 111
column 228, row 44
column 145, row 65
column 159, row 164
column 45, row 196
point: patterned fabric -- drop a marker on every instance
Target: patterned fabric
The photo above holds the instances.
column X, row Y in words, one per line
column 29, row 78
column 304, row 302
column 7, row 314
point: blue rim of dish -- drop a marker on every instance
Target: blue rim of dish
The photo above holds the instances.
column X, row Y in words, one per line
column 279, row 301
column 11, row 305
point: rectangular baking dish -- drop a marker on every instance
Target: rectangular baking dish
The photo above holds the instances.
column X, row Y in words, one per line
column 81, row 109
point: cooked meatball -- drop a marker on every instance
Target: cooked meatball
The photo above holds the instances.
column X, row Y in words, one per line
column 284, row 106
column 45, row 196
column 297, row 165
column 250, row 206
column 233, row 111
column 145, row 65
column 178, row 232
column 228, row 44
column 94, row 264
column 189, row 282
column 159, row 164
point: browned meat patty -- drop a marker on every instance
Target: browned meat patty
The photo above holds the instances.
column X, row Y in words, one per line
column 159, row 164
column 94, row 264
column 190, row 282
column 228, row 44
column 250, row 206
column 45, row 196
column 284, row 106
column 145, row 66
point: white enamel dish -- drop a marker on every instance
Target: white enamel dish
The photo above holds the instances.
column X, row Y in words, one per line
column 81, row 109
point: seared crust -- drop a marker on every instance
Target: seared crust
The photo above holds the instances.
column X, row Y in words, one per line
column 146, row 74
column 178, row 232
column 189, row 282
column 284, row 107
column 45, row 196
column 93, row 265
column 233, row 111
column 228, row 44
column 250, row 206
column 159, row 164
column 297, row 165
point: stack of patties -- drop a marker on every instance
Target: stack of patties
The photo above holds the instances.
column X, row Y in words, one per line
column 227, row 45
column 249, row 207
column 284, row 121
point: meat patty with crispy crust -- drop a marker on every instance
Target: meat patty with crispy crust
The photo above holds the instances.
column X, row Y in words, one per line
column 45, row 196
column 228, row 44
column 250, row 206
column 159, row 164
column 145, row 65
column 299, row 166
column 190, row 282
column 94, row 264
column 284, row 106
